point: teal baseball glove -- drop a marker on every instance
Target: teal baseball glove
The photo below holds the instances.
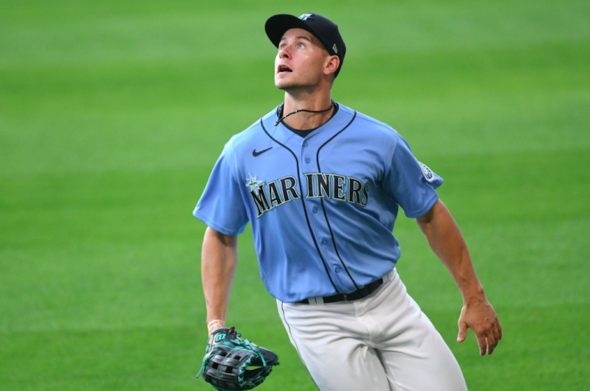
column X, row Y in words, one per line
column 233, row 363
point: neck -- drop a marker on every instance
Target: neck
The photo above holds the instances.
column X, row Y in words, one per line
column 305, row 120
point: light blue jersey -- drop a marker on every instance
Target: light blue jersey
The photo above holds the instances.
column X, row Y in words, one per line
column 323, row 207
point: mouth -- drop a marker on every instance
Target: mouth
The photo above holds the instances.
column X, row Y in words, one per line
column 283, row 69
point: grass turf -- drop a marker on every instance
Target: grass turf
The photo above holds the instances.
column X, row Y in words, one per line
column 113, row 113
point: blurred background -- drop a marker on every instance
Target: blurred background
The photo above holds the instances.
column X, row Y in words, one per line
column 112, row 114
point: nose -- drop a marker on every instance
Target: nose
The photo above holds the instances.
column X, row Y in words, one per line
column 284, row 52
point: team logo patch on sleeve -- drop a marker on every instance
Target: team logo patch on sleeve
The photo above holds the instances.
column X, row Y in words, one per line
column 427, row 172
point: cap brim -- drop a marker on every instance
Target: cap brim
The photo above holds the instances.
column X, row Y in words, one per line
column 277, row 25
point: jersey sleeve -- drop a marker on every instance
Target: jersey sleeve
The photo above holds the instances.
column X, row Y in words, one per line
column 411, row 183
column 221, row 206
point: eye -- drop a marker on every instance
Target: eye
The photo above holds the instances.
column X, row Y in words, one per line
column 300, row 46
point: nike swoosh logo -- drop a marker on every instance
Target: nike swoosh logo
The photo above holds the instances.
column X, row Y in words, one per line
column 254, row 153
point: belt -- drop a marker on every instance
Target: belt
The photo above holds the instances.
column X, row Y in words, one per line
column 346, row 297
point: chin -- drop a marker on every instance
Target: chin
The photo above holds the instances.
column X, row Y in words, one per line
column 292, row 85
column 283, row 85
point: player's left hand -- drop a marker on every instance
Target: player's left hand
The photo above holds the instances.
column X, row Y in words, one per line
column 234, row 363
column 479, row 316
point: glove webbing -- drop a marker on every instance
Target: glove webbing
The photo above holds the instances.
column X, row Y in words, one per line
column 239, row 343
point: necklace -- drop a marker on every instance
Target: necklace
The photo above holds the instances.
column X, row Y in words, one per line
column 300, row 110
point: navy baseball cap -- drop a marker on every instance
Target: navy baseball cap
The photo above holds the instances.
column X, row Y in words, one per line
column 322, row 28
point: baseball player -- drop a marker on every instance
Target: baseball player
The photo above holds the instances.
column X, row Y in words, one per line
column 321, row 186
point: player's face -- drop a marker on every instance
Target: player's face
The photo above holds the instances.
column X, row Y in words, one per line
column 300, row 61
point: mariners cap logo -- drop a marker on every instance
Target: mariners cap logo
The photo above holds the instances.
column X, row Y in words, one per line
column 305, row 16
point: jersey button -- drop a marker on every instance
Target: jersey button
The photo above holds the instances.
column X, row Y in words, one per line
column 315, row 209
column 324, row 241
column 305, row 144
column 307, row 160
column 337, row 269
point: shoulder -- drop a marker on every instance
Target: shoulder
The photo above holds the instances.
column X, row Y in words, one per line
column 377, row 131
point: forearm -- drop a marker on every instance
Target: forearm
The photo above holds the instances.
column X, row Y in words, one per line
column 219, row 259
column 447, row 242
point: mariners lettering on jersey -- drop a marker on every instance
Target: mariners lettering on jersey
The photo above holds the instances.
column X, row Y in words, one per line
column 269, row 195
column 337, row 187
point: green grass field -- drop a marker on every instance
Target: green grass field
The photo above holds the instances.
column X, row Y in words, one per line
column 112, row 114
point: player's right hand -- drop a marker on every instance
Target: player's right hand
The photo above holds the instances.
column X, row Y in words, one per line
column 479, row 316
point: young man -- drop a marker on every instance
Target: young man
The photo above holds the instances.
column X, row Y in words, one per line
column 321, row 185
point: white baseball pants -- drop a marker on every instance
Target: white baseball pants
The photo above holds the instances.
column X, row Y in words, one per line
column 381, row 342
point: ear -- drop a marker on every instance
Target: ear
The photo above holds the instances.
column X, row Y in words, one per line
column 331, row 65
